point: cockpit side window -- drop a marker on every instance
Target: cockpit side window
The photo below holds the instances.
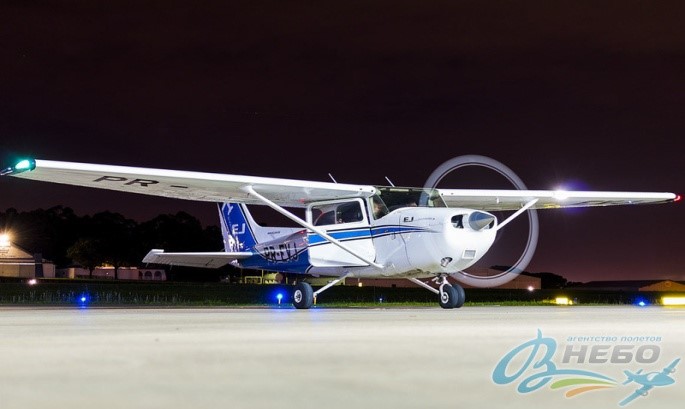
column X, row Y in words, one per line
column 378, row 207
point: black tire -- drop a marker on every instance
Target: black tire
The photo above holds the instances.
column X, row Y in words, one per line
column 461, row 295
column 448, row 296
column 303, row 296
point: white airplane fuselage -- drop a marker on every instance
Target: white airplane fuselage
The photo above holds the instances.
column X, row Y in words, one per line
column 408, row 242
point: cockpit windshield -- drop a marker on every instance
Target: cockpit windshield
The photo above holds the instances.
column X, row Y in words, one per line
column 396, row 197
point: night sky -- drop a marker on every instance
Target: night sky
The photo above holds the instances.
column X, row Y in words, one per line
column 586, row 95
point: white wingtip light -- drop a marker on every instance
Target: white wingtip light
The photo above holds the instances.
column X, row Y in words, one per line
column 5, row 240
column 560, row 194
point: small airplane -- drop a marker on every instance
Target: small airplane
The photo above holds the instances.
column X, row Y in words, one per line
column 361, row 231
column 648, row 381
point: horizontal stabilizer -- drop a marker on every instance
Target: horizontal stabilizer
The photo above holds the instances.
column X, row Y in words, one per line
column 204, row 260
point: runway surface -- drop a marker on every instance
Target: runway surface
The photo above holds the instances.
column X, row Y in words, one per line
column 337, row 358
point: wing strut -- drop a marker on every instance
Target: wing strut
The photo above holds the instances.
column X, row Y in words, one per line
column 309, row 226
column 331, row 284
column 424, row 285
column 518, row 213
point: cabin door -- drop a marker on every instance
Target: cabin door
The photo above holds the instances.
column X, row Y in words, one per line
column 346, row 221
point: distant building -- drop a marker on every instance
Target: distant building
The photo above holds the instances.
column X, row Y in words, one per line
column 107, row 272
column 664, row 286
column 18, row 263
column 261, row 277
column 633, row 285
column 521, row 282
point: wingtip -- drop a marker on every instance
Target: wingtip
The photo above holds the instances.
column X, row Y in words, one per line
column 151, row 256
column 23, row 165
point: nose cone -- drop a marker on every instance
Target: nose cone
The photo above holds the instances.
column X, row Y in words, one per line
column 480, row 220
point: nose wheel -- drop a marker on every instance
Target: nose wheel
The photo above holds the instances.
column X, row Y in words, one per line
column 451, row 295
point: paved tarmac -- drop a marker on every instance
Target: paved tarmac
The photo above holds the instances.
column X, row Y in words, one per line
column 335, row 358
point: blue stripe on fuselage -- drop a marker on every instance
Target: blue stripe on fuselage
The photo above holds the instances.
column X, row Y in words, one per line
column 341, row 235
column 380, row 231
column 363, row 233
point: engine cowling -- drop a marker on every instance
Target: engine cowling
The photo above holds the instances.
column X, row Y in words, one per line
column 445, row 240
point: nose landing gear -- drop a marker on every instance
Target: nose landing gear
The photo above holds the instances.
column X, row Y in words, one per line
column 451, row 295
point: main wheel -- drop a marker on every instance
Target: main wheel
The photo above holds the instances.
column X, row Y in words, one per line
column 461, row 295
column 448, row 296
column 303, row 297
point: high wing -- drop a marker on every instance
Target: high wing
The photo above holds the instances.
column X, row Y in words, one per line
column 209, row 187
column 493, row 200
column 204, row 260
column 214, row 187
column 671, row 368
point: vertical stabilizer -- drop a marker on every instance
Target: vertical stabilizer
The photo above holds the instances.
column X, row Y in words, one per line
column 236, row 227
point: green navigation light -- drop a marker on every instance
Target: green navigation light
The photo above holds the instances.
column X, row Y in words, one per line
column 23, row 165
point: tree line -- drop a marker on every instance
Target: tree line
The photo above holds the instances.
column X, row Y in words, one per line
column 66, row 238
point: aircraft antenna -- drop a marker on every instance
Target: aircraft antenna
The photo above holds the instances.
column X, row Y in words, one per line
column 332, row 178
column 390, row 181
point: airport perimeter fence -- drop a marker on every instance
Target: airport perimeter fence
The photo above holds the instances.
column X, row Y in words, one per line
column 109, row 293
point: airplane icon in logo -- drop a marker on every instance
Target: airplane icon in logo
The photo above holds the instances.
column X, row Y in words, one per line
column 648, row 381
